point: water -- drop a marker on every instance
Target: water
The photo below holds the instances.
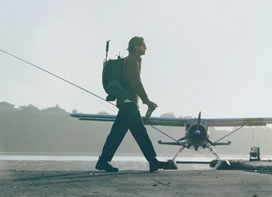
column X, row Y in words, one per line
column 80, row 162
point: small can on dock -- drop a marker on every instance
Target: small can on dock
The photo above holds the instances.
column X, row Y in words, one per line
column 254, row 154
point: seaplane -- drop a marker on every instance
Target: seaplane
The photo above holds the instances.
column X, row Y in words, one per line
column 196, row 129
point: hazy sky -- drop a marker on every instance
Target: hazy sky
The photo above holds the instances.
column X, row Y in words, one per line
column 212, row 56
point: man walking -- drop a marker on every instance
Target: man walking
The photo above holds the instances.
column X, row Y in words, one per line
column 129, row 116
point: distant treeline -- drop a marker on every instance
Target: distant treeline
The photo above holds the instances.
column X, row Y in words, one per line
column 52, row 130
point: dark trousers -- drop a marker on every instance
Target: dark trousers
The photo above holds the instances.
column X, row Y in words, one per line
column 128, row 117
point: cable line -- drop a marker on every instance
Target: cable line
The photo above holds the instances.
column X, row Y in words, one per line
column 29, row 63
column 73, row 84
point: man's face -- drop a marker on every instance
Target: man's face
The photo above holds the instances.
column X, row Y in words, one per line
column 140, row 50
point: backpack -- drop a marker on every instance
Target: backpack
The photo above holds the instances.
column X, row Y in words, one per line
column 112, row 79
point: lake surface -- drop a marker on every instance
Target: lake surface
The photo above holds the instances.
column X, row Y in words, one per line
column 80, row 162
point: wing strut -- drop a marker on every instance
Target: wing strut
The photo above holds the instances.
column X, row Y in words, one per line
column 230, row 133
column 162, row 132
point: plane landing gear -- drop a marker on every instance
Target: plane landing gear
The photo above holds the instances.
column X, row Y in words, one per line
column 172, row 165
column 220, row 161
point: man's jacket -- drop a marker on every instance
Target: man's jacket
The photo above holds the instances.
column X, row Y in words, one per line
column 132, row 80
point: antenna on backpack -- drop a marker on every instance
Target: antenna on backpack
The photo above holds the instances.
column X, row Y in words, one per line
column 107, row 49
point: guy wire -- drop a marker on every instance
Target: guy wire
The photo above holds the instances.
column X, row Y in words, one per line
column 48, row 72
column 56, row 76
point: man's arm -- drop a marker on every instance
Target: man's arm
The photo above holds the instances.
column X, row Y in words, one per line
column 133, row 74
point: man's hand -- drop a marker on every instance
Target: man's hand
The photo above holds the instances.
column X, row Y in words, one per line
column 151, row 105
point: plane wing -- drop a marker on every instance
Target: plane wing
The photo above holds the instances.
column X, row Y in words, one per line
column 94, row 117
column 226, row 122
column 180, row 122
column 153, row 121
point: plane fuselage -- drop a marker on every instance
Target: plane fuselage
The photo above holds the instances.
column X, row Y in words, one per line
column 196, row 134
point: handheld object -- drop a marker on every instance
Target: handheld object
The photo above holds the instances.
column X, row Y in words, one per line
column 107, row 49
column 148, row 113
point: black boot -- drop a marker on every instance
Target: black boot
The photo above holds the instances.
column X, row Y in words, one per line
column 154, row 165
column 104, row 165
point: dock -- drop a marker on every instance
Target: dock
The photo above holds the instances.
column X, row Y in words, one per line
column 138, row 183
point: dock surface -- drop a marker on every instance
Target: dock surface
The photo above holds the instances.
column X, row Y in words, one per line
column 135, row 183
